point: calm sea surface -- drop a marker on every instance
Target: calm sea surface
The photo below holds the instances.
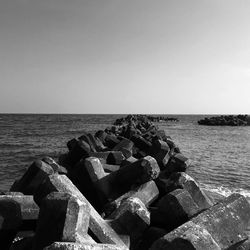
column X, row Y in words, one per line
column 220, row 155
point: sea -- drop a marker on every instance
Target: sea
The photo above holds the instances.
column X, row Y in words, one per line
column 219, row 156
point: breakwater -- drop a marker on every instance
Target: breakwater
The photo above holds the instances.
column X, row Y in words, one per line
column 135, row 178
column 226, row 120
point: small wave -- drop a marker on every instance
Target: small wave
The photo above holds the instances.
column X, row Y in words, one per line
column 14, row 145
column 225, row 191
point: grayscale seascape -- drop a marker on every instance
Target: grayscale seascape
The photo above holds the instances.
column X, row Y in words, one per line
column 220, row 156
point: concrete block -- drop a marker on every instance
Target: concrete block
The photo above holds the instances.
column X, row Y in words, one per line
column 190, row 236
column 80, row 150
column 84, row 175
column 94, row 168
column 10, row 221
column 115, row 157
column 85, row 137
column 119, row 182
column 98, row 226
column 219, row 227
column 87, row 246
column 32, row 178
column 101, row 135
column 141, row 143
column 133, row 217
column 179, row 205
column 62, row 217
column 147, row 193
column 111, row 141
column 125, row 146
column 160, row 151
column 150, row 236
column 22, row 244
column 56, row 167
column 128, row 161
column 177, row 163
column 185, row 181
column 108, row 168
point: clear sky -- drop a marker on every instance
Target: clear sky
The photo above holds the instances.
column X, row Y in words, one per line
column 125, row 56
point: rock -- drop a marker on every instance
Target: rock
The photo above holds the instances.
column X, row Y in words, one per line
column 62, row 217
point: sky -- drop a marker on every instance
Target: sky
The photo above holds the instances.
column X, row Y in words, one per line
column 125, row 56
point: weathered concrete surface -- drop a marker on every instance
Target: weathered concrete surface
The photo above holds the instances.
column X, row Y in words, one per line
column 10, row 221
column 133, row 217
column 223, row 225
column 56, row 167
column 121, row 181
column 61, row 183
column 189, row 237
column 75, row 246
column 185, row 181
column 28, row 208
column 62, row 217
column 32, row 178
column 178, row 204
column 147, row 193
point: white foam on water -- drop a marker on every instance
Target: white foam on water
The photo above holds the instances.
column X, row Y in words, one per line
column 225, row 191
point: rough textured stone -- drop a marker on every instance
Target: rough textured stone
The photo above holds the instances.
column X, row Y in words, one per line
column 119, row 182
column 94, row 168
column 62, row 217
column 115, row 157
column 81, row 149
column 221, row 226
column 177, row 163
column 32, row 178
column 125, row 146
column 188, row 237
column 98, row 226
column 147, row 193
column 133, row 217
column 22, row 244
column 178, row 204
column 56, row 167
column 160, row 151
column 81, row 175
column 10, row 221
column 183, row 180
column 75, row 246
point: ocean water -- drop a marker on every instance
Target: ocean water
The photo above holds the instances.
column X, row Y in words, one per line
column 220, row 156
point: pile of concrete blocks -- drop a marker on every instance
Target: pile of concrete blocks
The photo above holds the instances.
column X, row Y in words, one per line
column 121, row 188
